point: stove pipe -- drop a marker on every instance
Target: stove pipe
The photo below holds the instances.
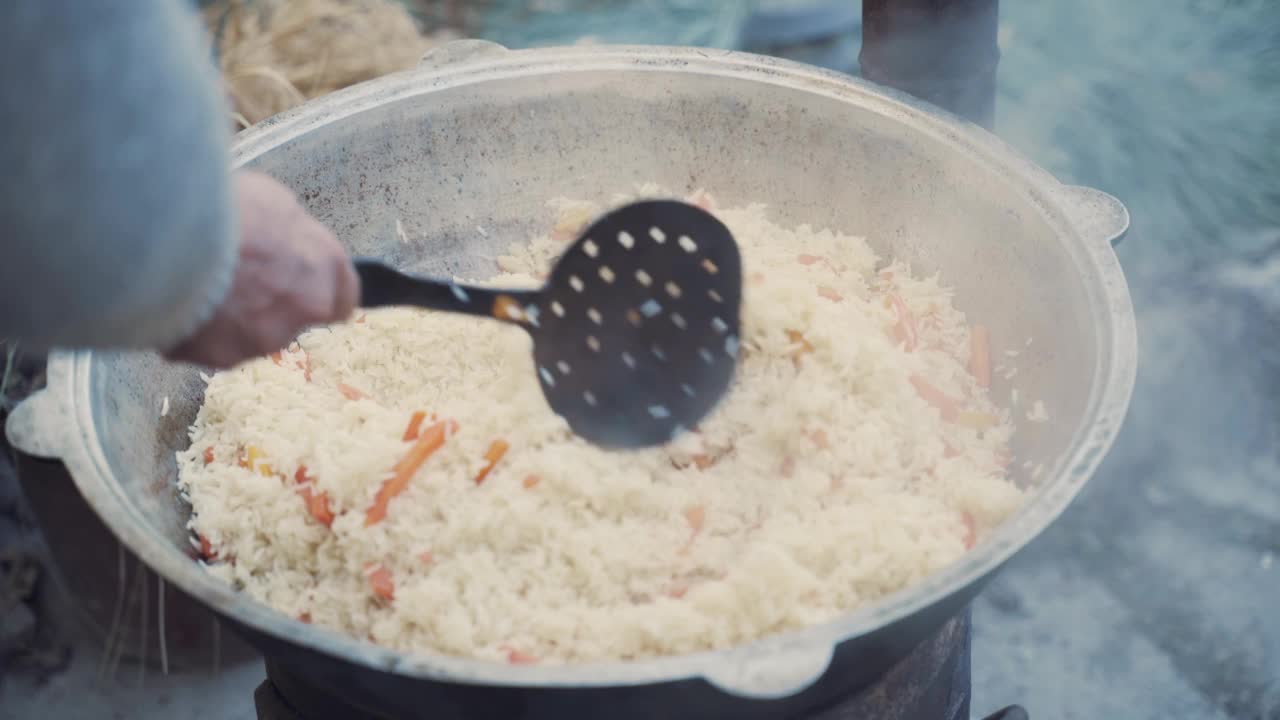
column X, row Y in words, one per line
column 943, row 51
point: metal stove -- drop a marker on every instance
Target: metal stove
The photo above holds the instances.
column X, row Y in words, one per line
column 933, row 683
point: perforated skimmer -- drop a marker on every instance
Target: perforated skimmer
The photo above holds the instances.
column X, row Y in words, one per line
column 635, row 334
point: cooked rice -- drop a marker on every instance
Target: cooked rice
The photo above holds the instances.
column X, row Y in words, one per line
column 827, row 478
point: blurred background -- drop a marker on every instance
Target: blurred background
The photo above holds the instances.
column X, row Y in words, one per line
column 1156, row 595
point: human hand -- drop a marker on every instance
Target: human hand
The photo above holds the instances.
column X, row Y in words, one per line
column 291, row 274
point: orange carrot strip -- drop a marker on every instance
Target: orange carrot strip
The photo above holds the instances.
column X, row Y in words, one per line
column 980, row 355
column 305, row 617
column 432, row 440
column 517, row 657
column 531, row 481
column 946, row 405
column 808, row 259
column 318, row 505
column 820, row 439
column 703, row 199
column 427, row 557
column 277, row 358
column 317, row 502
column 905, row 329
column 305, row 365
column 206, row 549
column 829, row 293
column 208, row 455
column 349, row 392
column 788, row 467
column 797, row 338
column 415, row 425
column 677, row 591
column 496, row 450
column 697, row 517
column 360, row 320
column 505, row 307
column 381, row 582
column 970, row 530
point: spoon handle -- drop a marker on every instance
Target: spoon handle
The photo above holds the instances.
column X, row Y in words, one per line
column 384, row 286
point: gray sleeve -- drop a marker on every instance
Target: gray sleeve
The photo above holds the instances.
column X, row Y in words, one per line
column 116, row 219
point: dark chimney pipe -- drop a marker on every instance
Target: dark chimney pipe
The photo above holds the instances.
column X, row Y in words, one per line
column 943, row 51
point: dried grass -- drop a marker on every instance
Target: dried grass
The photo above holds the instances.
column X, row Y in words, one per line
column 275, row 54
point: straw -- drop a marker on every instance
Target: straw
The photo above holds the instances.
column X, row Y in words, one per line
column 275, row 54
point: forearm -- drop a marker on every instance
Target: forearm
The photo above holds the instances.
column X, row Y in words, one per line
column 116, row 221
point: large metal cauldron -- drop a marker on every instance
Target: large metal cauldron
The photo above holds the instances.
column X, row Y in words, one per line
column 467, row 149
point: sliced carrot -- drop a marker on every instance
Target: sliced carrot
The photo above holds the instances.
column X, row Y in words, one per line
column 980, row 355
column 702, row 461
column 427, row 557
column 317, row 502
column 381, row 582
column 492, row 456
column 431, row 440
column 305, row 617
column 829, row 293
column 505, row 307
column 696, row 515
column 820, row 439
column 948, row 406
column 206, row 549
column 808, row 259
column 905, row 329
column 677, row 591
column 970, row 530
column 788, row 467
column 305, row 365
column 530, row 482
column 277, row 358
column 703, row 199
column 320, row 510
column 517, row 657
column 362, row 317
column 208, row 455
column 349, row 392
column 415, row 424
column 318, row 505
column 797, row 338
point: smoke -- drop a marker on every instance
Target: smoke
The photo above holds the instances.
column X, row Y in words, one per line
column 1171, row 104
column 1156, row 590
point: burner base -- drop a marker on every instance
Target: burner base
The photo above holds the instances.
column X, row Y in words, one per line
column 933, row 682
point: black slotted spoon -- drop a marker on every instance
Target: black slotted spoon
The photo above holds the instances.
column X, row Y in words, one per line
column 636, row 332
